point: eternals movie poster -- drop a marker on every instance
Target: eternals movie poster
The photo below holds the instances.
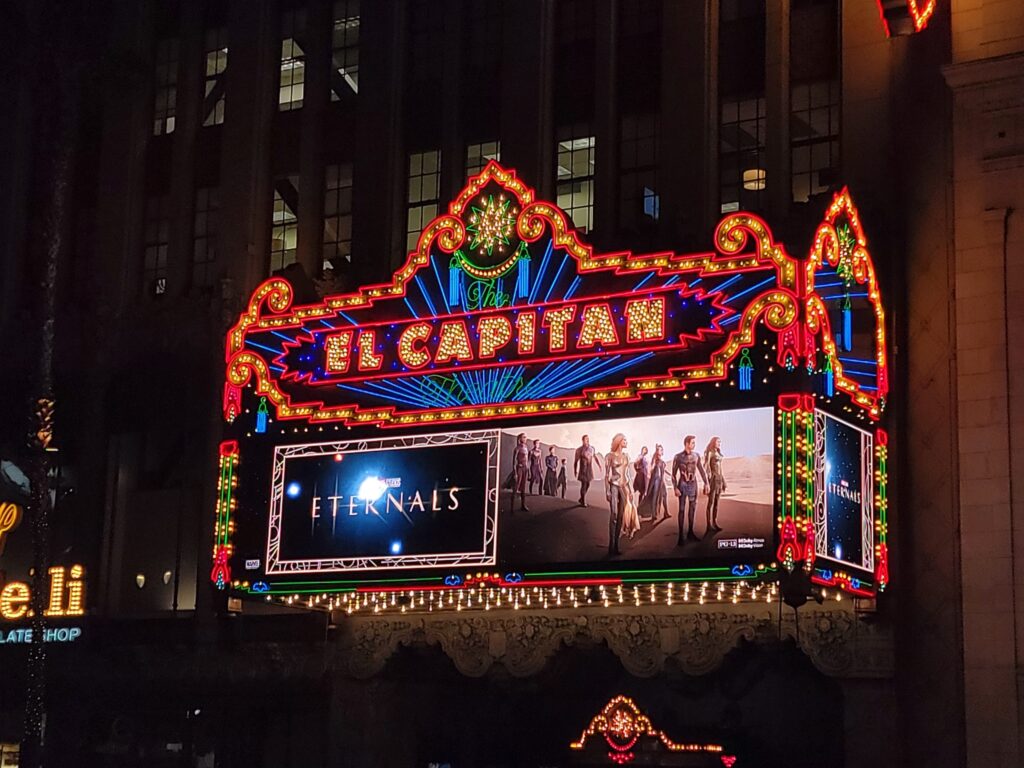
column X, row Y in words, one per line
column 639, row 489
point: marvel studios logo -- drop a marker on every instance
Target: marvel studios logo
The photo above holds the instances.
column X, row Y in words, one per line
column 743, row 542
column 252, row 565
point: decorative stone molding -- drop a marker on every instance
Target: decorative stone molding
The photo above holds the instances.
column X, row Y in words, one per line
column 839, row 641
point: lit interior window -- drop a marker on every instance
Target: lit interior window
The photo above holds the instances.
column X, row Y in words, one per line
column 293, row 61
column 575, row 185
column 215, row 76
column 165, row 93
column 477, row 155
column 345, row 49
column 337, row 214
column 424, row 193
column 285, row 225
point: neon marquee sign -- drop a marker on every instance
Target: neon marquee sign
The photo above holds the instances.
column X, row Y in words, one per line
column 503, row 317
column 564, row 328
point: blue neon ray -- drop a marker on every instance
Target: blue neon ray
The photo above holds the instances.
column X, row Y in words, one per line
column 858, row 361
column 540, row 272
column 263, row 347
column 727, row 283
column 328, row 325
column 579, row 381
column 409, row 305
column 566, row 376
column 284, row 336
column 840, row 284
column 440, row 286
column 643, row 282
column 572, row 287
column 426, row 297
column 393, row 396
column 347, row 318
column 836, row 296
column 558, row 274
column 745, row 291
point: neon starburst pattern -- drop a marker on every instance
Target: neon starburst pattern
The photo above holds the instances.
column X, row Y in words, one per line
column 492, row 225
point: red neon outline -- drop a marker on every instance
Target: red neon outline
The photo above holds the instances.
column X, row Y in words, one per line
column 920, row 16
column 584, row 319
column 842, row 581
column 592, row 397
column 825, row 248
column 701, row 335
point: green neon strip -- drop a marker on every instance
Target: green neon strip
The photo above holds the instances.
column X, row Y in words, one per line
column 602, row 574
column 224, row 513
column 792, row 465
column 809, row 466
column 278, row 589
column 883, row 496
column 730, row 577
column 366, row 582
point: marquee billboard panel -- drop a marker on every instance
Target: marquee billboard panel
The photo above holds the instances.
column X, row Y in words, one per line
column 374, row 437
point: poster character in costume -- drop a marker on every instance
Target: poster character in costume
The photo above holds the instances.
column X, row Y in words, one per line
column 616, row 489
column 583, row 469
column 685, row 466
column 536, row 467
column 561, row 479
column 641, row 467
column 550, row 472
column 521, row 470
column 716, row 480
column 655, row 501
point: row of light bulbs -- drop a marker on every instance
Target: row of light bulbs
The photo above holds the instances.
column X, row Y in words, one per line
column 527, row 597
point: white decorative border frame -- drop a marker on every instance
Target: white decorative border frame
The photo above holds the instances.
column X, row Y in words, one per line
column 486, row 556
column 867, row 497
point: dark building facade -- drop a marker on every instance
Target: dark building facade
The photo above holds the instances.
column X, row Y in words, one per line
column 213, row 144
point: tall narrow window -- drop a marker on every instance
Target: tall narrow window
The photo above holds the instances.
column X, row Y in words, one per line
column 741, row 157
column 575, row 185
column 424, row 193
column 814, row 96
column 285, row 230
column 345, row 49
column 480, row 87
column 337, row 215
column 293, row 61
column 639, row 203
column 215, row 76
column 742, row 173
column 165, row 94
column 204, row 236
column 478, row 155
column 156, row 236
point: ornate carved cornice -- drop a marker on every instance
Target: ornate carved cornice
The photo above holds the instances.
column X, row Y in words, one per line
column 839, row 641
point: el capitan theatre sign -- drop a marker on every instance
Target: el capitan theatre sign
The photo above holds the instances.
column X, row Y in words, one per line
column 502, row 322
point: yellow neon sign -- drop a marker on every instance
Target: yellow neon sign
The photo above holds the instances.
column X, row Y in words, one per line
column 66, row 595
column 10, row 518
